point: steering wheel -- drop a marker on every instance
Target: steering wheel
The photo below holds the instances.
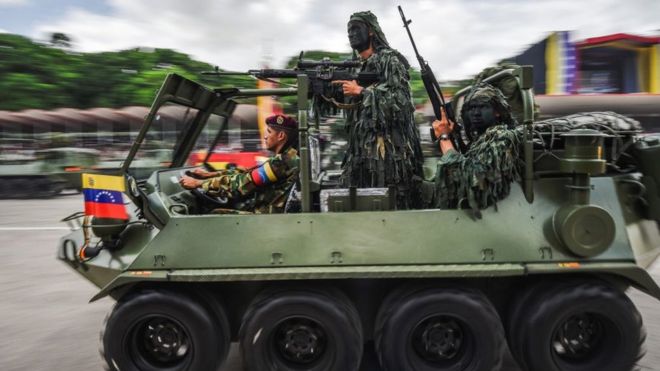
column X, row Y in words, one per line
column 210, row 202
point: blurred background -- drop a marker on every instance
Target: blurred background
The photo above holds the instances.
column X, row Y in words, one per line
column 77, row 78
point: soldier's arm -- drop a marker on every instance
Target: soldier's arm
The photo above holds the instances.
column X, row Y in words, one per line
column 204, row 174
column 273, row 171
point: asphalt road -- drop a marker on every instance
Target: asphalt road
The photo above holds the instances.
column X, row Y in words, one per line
column 46, row 322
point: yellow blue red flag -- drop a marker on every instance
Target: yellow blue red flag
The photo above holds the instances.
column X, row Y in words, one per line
column 103, row 196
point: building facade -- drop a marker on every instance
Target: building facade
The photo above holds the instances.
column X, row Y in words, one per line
column 618, row 63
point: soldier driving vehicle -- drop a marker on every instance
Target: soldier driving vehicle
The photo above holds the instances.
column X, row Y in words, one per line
column 264, row 188
column 546, row 270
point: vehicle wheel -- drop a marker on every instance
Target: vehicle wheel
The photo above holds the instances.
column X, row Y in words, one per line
column 440, row 329
column 301, row 330
column 517, row 311
column 588, row 326
column 162, row 330
column 37, row 187
column 16, row 188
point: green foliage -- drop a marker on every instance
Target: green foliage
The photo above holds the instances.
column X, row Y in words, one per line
column 34, row 75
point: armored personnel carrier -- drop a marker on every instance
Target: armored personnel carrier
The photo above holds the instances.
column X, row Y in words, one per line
column 43, row 173
column 545, row 272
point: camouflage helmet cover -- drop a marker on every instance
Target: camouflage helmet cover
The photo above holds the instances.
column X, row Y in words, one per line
column 487, row 93
column 379, row 40
column 371, row 20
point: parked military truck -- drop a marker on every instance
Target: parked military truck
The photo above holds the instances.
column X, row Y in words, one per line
column 546, row 271
column 43, row 173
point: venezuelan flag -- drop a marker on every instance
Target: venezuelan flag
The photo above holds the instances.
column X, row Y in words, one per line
column 103, row 196
column 263, row 175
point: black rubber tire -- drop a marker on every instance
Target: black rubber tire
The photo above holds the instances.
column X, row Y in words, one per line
column 619, row 339
column 517, row 311
column 484, row 344
column 123, row 348
column 329, row 310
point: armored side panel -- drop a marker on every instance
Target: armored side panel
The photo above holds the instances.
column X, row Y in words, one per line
column 647, row 151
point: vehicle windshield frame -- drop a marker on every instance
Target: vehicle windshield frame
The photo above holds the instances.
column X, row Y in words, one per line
column 182, row 91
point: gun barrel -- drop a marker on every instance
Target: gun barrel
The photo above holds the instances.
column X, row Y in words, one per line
column 406, row 22
column 223, row 73
column 306, row 63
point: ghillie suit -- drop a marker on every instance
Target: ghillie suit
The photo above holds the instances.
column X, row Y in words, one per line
column 483, row 174
column 509, row 88
column 383, row 142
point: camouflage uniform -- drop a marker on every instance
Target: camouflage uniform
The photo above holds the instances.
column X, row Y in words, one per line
column 262, row 189
column 383, row 141
column 484, row 173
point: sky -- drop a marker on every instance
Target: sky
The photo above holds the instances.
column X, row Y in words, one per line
column 457, row 37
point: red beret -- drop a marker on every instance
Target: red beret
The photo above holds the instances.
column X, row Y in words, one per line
column 282, row 122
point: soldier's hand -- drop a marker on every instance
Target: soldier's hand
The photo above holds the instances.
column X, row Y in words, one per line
column 190, row 183
column 443, row 126
column 201, row 173
column 349, row 88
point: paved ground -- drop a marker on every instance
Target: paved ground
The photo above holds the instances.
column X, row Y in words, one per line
column 47, row 324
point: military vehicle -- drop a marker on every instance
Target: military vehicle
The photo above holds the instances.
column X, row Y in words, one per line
column 43, row 173
column 544, row 272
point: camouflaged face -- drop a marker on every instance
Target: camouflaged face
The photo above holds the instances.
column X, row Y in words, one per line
column 484, row 92
column 372, row 21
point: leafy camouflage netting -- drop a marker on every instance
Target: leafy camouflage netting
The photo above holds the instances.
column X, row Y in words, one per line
column 383, row 141
column 509, row 88
column 481, row 176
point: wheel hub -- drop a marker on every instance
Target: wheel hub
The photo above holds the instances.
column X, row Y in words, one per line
column 164, row 340
column 578, row 336
column 300, row 341
column 438, row 339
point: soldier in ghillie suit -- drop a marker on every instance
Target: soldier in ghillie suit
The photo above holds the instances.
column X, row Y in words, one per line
column 263, row 189
column 383, row 142
column 484, row 173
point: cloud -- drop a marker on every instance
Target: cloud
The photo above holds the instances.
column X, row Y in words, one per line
column 458, row 37
column 8, row 3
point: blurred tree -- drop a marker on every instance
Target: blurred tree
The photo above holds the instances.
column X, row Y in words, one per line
column 40, row 76
column 60, row 39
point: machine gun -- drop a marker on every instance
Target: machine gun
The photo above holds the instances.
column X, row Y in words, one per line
column 321, row 75
column 433, row 90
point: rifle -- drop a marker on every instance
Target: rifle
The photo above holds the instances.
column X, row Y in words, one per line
column 433, row 90
column 321, row 74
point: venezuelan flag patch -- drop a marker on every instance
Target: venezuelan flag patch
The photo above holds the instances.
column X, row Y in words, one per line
column 103, row 196
column 263, row 175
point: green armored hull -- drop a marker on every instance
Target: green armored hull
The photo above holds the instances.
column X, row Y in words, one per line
column 544, row 271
